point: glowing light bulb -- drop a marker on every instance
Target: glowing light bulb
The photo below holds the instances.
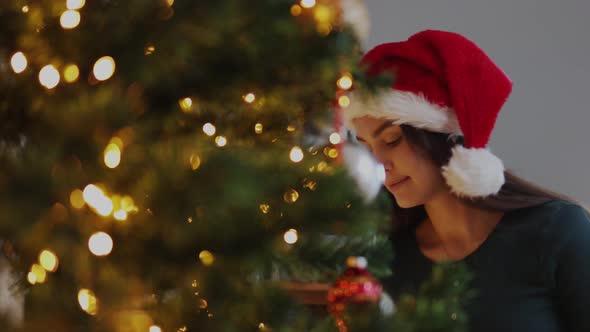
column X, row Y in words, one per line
column 296, row 10
column 209, row 129
column 221, row 141
column 335, row 138
column 264, row 208
column 258, row 128
column 75, row 4
column 25, row 9
column 249, row 98
column 296, row 154
column 112, row 155
column 71, row 73
column 291, row 196
column 343, row 101
column 291, row 236
column 69, row 19
column 18, row 62
column 48, row 260
column 186, row 104
column 206, row 257
column 49, row 77
column 155, row 328
column 195, row 162
column 307, row 3
column 345, row 82
column 87, row 301
column 104, row 68
column 39, row 272
column 100, row 244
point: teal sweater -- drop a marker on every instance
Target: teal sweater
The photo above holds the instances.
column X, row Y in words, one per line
column 532, row 274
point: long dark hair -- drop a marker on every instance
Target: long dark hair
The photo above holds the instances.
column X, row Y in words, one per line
column 516, row 192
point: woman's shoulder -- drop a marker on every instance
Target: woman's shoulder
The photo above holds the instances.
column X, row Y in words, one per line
column 556, row 219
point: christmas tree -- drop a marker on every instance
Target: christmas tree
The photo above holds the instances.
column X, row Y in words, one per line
column 177, row 166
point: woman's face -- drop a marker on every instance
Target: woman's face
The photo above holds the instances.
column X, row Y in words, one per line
column 412, row 178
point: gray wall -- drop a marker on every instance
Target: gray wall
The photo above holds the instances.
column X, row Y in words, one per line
column 544, row 46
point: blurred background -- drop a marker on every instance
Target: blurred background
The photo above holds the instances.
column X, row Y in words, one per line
column 543, row 46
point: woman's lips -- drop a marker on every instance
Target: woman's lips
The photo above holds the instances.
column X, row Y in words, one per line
column 394, row 185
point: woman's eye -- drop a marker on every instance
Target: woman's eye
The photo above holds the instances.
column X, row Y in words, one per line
column 393, row 143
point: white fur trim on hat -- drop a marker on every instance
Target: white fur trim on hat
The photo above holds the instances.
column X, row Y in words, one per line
column 474, row 172
column 403, row 107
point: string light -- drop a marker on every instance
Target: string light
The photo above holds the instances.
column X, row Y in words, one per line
column 100, row 244
column 186, row 104
column 203, row 304
column 87, row 301
column 149, row 49
column 296, row 10
column 291, row 196
column 112, row 155
column 39, row 272
column 77, row 199
column 209, row 129
column 296, row 154
column 48, row 260
column 155, row 328
column 258, row 128
column 249, row 98
column 31, row 278
column 335, row 138
column 49, row 77
column 264, row 208
column 69, row 19
column 345, row 82
column 291, row 236
column 343, row 101
column 120, row 215
column 221, row 141
column 104, row 68
column 75, row 4
column 195, row 162
column 307, row 3
column 25, row 9
column 18, row 62
column 206, row 257
column 71, row 73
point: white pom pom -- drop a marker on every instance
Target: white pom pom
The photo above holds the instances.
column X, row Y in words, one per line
column 368, row 173
column 474, row 172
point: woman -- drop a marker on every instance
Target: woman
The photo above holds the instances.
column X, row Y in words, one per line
column 528, row 249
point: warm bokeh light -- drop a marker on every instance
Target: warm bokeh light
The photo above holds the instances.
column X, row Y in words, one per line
column 18, row 62
column 87, row 301
column 249, row 98
column 203, row 304
column 264, row 208
column 69, row 19
column 169, row 2
column 112, row 155
column 195, row 162
column 209, row 129
column 296, row 10
column 221, row 141
column 335, row 138
column 71, row 73
column 75, row 4
column 49, row 77
column 186, row 104
column 39, row 272
column 345, row 82
column 296, row 154
column 291, row 236
column 48, row 260
column 31, row 278
column 100, row 244
column 206, row 257
column 77, row 199
column 291, row 196
column 120, row 214
column 104, row 68
column 307, row 3
column 343, row 101
column 155, row 328
column 258, row 128
column 25, row 9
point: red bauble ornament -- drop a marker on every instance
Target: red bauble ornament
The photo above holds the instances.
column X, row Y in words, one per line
column 355, row 288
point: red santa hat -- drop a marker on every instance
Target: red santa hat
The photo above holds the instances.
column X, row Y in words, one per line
column 443, row 83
